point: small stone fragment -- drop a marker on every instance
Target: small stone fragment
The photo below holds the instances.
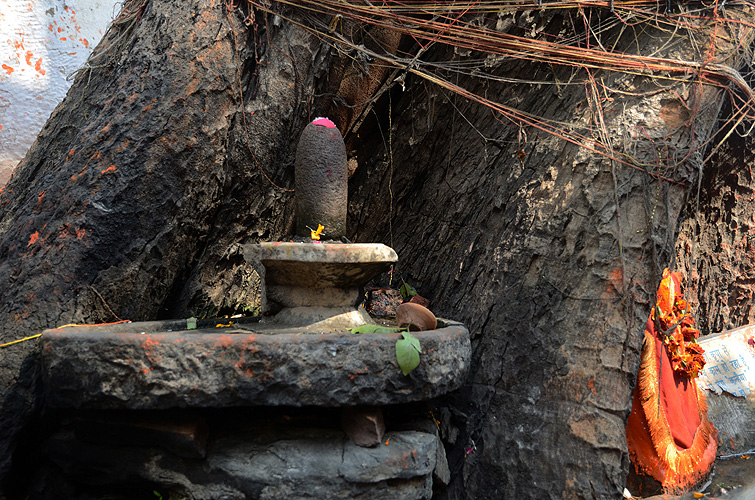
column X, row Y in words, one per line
column 416, row 317
column 364, row 425
column 419, row 299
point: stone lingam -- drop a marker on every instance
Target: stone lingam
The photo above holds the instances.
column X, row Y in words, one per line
column 144, row 380
column 317, row 280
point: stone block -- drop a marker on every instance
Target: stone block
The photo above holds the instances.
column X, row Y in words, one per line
column 364, row 425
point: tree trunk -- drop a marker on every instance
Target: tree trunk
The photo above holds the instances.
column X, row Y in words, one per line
column 519, row 235
column 717, row 256
column 179, row 141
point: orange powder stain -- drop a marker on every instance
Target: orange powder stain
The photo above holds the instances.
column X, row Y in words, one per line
column 109, row 170
column 85, row 42
column 63, row 38
column 80, row 233
column 33, row 239
column 60, row 29
column 50, row 27
column 122, row 147
column 617, row 278
column 591, row 385
column 41, row 197
column 29, row 55
column 38, row 66
column 7, row 68
column 18, row 45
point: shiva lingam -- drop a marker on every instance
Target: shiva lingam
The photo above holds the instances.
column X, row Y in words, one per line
column 167, row 364
column 303, row 356
column 317, row 282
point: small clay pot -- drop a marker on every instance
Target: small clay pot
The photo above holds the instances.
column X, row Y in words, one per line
column 416, row 317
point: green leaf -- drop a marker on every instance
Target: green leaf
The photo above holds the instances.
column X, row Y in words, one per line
column 374, row 329
column 407, row 352
column 407, row 290
column 157, row 494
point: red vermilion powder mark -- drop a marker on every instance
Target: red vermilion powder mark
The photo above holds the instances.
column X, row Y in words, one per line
column 33, row 239
column 60, row 29
column 109, row 170
column 591, row 385
column 38, row 66
column 63, row 38
column 80, row 233
column 29, row 55
column 324, row 122
column 7, row 69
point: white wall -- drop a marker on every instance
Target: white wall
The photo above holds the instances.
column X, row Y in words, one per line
column 41, row 43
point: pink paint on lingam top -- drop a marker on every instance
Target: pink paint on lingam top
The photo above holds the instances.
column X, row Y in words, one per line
column 324, row 122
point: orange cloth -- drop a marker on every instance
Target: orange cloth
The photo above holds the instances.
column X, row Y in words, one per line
column 668, row 433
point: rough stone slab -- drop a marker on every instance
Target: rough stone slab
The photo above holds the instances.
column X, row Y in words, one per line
column 132, row 366
column 407, row 455
column 733, row 418
column 318, row 464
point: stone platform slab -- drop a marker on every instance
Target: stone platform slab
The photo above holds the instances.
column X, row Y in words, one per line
column 143, row 366
column 295, row 464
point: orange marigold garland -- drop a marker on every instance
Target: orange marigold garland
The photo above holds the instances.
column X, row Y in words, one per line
column 669, row 436
column 680, row 339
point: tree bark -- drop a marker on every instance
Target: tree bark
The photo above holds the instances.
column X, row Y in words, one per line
column 549, row 253
column 716, row 256
column 181, row 144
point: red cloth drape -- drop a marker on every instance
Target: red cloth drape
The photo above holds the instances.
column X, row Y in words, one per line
column 668, row 432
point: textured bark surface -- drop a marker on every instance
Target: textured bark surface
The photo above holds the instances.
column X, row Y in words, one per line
column 149, row 172
column 518, row 235
column 719, row 261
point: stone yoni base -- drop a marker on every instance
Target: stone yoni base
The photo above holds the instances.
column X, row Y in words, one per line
column 140, row 366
